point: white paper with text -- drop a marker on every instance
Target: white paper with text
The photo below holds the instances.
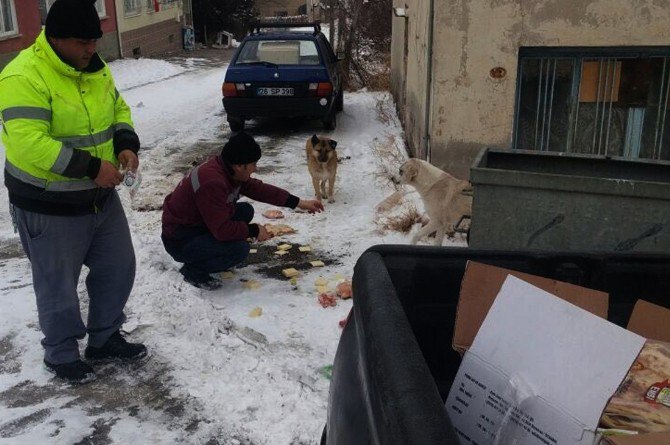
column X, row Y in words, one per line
column 540, row 371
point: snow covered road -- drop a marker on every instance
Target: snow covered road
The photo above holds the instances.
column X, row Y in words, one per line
column 216, row 374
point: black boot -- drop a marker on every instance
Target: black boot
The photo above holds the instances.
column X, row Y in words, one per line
column 74, row 372
column 199, row 279
column 116, row 347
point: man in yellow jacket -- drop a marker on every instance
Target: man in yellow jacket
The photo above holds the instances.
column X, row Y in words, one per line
column 67, row 132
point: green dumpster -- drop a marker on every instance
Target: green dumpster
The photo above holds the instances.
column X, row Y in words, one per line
column 557, row 201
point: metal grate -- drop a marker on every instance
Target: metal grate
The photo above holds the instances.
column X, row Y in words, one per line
column 601, row 105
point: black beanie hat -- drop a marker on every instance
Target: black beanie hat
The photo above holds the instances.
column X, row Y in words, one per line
column 73, row 18
column 241, row 149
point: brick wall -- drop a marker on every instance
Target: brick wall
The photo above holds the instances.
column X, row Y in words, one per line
column 157, row 39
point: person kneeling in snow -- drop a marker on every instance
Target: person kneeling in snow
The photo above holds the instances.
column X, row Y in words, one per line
column 205, row 227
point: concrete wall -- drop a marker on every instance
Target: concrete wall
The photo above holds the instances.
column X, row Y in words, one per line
column 469, row 108
column 149, row 32
column 156, row 39
column 415, row 82
column 398, row 60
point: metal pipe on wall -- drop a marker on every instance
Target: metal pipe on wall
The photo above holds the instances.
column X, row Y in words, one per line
column 118, row 30
column 429, row 82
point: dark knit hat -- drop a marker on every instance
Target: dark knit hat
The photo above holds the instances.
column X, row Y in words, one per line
column 73, row 18
column 241, row 149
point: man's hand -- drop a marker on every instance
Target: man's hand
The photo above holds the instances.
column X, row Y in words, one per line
column 263, row 234
column 311, row 205
column 129, row 160
column 108, row 176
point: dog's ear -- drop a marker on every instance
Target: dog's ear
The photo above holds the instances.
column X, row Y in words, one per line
column 332, row 143
column 411, row 170
column 315, row 140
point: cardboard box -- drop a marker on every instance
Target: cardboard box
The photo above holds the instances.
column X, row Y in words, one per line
column 613, row 352
column 481, row 283
column 639, row 439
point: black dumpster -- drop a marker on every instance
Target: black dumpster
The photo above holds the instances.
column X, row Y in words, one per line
column 555, row 201
column 394, row 364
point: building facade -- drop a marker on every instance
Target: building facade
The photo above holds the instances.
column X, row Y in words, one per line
column 21, row 22
column 131, row 28
column 571, row 76
column 151, row 27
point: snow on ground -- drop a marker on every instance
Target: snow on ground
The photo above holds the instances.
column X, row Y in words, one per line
column 215, row 373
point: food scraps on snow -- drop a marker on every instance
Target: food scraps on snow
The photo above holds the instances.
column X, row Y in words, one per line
column 281, row 252
column 227, row 274
column 317, row 263
column 305, row 249
column 252, row 284
column 279, row 229
column 320, row 281
column 256, row 312
column 284, row 247
column 343, row 290
column 253, row 250
column 327, row 299
column 273, row 214
column 290, row 272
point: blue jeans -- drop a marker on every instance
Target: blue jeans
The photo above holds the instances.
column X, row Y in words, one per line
column 203, row 254
column 57, row 247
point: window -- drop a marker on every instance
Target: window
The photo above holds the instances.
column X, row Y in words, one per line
column 100, row 6
column 132, row 7
column 603, row 102
column 44, row 6
column 281, row 52
column 7, row 18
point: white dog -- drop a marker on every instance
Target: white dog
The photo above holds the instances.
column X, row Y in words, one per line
column 446, row 199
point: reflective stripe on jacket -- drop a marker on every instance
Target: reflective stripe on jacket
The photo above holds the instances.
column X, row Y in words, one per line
column 55, row 119
column 207, row 196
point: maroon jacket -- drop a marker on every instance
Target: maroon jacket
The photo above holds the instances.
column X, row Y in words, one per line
column 207, row 196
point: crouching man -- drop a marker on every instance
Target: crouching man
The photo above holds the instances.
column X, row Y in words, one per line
column 205, row 227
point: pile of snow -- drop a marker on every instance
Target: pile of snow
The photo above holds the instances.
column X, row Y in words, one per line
column 130, row 73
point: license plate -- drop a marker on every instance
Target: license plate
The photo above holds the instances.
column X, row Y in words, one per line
column 274, row 91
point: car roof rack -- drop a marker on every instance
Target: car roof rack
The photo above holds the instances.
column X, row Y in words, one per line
column 256, row 26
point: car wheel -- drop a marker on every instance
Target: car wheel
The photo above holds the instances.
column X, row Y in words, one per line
column 330, row 121
column 339, row 102
column 235, row 123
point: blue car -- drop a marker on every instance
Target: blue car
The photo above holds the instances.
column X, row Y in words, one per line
column 277, row 72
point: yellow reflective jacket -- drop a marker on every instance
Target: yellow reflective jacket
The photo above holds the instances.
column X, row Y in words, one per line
column 58, row 123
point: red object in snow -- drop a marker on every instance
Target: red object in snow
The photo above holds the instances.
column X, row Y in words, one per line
column 157, row 5
column 327, row 300
column 343, row 322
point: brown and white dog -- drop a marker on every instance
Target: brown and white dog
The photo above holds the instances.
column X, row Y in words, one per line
column 446, row 199
column 322, row 165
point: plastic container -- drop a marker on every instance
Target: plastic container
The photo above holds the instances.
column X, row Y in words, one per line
column 394, row 364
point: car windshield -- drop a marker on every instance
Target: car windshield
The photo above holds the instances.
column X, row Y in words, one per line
column 279, row 52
